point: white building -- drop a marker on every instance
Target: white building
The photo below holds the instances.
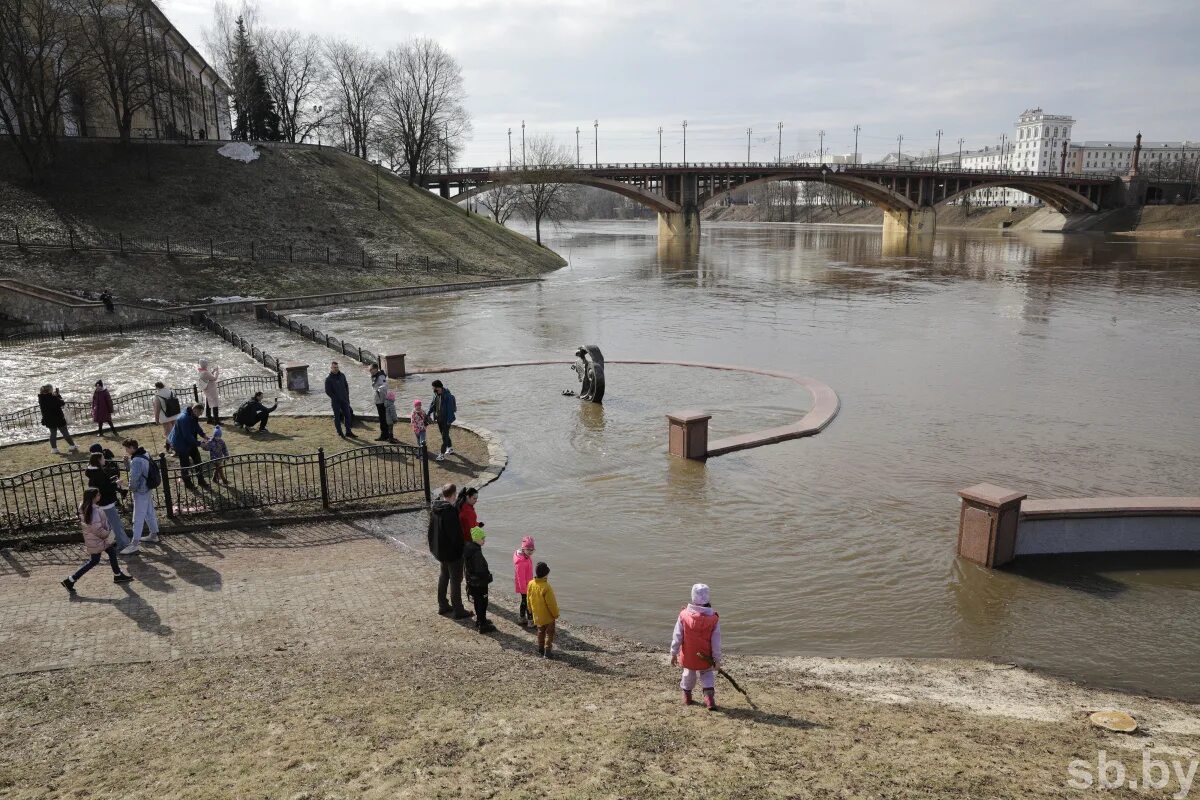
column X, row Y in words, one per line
column 1158, row 159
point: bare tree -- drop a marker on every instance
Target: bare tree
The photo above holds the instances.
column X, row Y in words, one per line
column 545, row 195
column 118, row 56
column 354, row 74
column 423, row 104
column 501, row 201
column 294, row 66
column 42, row 65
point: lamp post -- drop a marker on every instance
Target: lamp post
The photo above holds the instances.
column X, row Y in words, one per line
column 857, row 128
column 317, row 110
column 378, row 202
column 1003, row 141
column 510, row 148
column 899, row 142
column 522, row 144
column 596, row 140
column 660, row 145
column 685, row 142
column 821, row 146
column 937, row 160
column 779, row 155
column 960, row 144
column 577, row 161
column 748, row 132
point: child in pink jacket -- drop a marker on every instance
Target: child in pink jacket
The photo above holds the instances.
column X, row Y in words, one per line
column 522, row 575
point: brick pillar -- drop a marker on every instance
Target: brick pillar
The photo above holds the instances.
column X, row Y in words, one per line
column 688, row 434
column 393, row 365
column 987, row 524
column 297, row 377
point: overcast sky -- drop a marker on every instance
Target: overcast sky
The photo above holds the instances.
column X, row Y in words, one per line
column 968, row 67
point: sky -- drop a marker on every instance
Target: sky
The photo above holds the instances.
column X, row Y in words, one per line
column 967, row 67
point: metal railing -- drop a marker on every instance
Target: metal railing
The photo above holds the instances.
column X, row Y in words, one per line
column 332, row 342
column 50, row 496
column 242, row 343
column 132, row 404
column 30, row 333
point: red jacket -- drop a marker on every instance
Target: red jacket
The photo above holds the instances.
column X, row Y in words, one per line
column 467, row 519
column 697, row 638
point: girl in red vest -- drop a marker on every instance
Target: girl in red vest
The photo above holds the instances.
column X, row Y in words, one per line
column 696, row 646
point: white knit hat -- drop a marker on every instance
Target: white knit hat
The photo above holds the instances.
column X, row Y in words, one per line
column 700, row 594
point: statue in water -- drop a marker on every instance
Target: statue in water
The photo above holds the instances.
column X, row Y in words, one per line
column 590, row 369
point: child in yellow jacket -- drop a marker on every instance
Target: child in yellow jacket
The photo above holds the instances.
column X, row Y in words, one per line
column 543, row 607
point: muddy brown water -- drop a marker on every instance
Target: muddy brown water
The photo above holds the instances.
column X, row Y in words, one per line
column 1060, row 366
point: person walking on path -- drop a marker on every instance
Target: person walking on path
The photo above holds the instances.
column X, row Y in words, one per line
column 446, row 545
column 444, row 410
column 522, row 575
column 696, row 646
column 185, row 438
column 467, row 518
column 144, row 478
column 98, row 540
column 102, row 409
column 544, row 607
column 206, row 381
column 102, row 481
column 417, row 421
column 379, row 387
column 338, row 390
column 167, row 411
column 51, row 404
column 478, row 575
column 389, row 406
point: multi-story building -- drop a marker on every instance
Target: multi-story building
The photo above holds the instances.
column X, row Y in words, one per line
column 1157, row 159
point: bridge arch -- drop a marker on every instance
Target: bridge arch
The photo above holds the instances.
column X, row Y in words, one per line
column 876, row 193
column 1061, row 198
column 652, row 200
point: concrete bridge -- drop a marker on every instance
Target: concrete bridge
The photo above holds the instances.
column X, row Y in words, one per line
column 909, row 196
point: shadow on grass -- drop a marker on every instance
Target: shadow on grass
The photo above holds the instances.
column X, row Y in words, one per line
column 767, row 718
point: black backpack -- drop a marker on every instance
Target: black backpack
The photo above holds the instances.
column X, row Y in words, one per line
column 171, row 406
column 244, row 416
column 153, row 476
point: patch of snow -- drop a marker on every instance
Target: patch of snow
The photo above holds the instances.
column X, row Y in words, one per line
column 233, row 298
column 239, row 151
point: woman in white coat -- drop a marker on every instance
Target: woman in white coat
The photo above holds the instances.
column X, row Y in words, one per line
column 206, row 380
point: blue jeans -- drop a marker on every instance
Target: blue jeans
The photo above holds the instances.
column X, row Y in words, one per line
column 143, row 515
column 94, row 559
column 421, row 439
column 117, row 527
column 342, row 416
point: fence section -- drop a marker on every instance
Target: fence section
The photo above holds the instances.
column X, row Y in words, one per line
column 139, row 403
column 49, row 497
column 332, row 342
column 38, row 333
column 242, row 343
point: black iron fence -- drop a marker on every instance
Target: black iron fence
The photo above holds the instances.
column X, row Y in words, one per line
column 133, row 404
column 38, row 333
column 50, row 496
column 359, row 354
column 242, row 343
column 365, row 257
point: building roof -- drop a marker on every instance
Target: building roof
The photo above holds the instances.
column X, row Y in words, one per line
column 192, row 51
column 1097, row 145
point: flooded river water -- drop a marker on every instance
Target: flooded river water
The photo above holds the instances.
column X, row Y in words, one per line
column 1058, row 366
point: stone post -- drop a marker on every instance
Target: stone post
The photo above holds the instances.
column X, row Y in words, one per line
column 260, row 311
column 987, row 524
column 297, row 377
column 688, row 434
column 393, row 365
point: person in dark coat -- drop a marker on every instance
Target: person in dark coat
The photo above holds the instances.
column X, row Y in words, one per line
column 446, row 545
column 379, row 389
column 183, row 441
column 102, row 409
column 478, row 575
column 101, row 477
column 51, row 404
column 443, row 409
column 338, row 390
column 254, row 412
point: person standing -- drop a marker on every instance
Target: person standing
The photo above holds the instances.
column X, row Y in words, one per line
column 696, row 646
column 467, row 518
column 379, row 387
column 478, row 576
column 51, row 404
column 102, row 409
column 417, row 421
column 443, row 410
column 166, row 411
column 522, row 575
column 144, row 478
column 446, row 545
column 206, row 381
column 543, row 607
column 184, row 439
column 97, row 540
column 102, row 481
column 338, row 390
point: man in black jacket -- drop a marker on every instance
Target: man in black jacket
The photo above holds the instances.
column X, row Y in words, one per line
column 253, row 412
column 446, row 545
column 339, row 397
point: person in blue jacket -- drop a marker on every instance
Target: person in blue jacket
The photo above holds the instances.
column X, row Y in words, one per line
column 183, row 440
column 338, row 389
column 443, row 410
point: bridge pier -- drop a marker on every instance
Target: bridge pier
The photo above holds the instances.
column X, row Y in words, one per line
column 685, row 223
column 909, row 222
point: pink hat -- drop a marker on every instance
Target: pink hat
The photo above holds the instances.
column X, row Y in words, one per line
column 416, row 403
column 391, row 395
column 527, row 543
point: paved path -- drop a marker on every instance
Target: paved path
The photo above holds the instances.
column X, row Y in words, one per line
column 225, row 593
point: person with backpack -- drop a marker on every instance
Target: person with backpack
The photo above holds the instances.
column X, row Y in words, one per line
column 253, row 412
column 167, row 410
column 144, row 478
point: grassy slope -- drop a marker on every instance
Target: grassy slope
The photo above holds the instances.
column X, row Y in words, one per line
column 314, row 199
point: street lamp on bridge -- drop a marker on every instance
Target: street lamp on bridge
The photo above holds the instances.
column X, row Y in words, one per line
column 577, row 161
column 510, row 147
column 596, row 138
column 522, row 144
column 685, row 142
column 960, row 144
column 779, row 155
column 857, row 128
column 899, row 142
column 660, row 145
column 748, row 132
column 821, row 146
column 937, row 159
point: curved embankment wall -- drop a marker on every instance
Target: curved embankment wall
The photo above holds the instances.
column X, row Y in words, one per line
column 997, row 525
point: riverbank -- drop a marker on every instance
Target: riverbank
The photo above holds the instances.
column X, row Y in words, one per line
column 308, row 662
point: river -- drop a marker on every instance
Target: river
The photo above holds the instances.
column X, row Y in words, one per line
column 1055, row 365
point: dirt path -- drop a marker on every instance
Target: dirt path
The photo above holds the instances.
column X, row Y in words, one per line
column 308, row 662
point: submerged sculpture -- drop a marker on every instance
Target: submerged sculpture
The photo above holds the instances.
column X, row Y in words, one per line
column 590, row 369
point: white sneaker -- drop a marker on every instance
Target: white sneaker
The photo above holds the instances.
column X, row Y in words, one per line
column 449, row 451
column 151, row 538
column 74, row 449
column 128, row 551
column 56, row 451
column 440, row 457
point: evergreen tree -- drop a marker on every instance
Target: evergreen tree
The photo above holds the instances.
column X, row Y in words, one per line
column 257, row 119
